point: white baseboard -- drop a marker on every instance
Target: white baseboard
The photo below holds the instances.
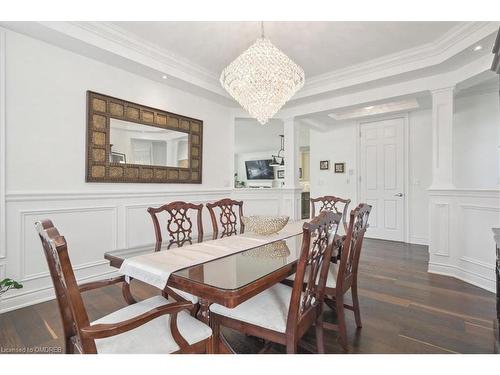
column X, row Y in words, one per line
column 468, row 276
column 419, row 240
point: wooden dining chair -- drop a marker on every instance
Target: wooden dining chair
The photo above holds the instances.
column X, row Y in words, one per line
column 332, row 203
column 228, row 219
column 343, row 275
column 180, row 231
column 155, row 325
column 179, row 224
column 282, row 314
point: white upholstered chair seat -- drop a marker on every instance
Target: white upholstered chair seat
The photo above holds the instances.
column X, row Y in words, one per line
column 153, row 337
column 333, row 271
column 268, row 309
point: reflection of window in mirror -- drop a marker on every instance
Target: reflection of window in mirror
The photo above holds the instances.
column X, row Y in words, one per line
column 133, row 143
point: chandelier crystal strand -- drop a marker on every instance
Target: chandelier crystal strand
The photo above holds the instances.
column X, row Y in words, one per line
column 262, row 79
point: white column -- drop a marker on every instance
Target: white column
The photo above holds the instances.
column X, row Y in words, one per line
column 442, row 138
column 291, row 132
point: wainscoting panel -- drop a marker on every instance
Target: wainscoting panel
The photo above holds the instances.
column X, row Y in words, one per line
column 461, row 242
column 138, row 228
column 479, row 220
column 90, row 232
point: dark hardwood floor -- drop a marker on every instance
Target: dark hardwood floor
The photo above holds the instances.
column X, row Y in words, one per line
column 404, row 309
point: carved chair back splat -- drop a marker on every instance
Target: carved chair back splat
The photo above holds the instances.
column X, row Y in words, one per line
column 332, row 203
column 223, row 215
column 179, row 224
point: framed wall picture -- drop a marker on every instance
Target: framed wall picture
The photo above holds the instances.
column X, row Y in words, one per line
column 324, row 165
column 339, row 167
column 280, row 173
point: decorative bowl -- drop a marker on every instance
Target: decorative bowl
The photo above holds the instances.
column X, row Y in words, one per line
column 264, row 225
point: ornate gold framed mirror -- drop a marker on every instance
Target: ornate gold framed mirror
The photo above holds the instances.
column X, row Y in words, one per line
column 130, row 142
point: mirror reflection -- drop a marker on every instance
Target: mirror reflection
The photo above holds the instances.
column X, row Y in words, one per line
column 133, row 143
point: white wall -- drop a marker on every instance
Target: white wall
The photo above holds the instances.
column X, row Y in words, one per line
column 46, row 114
column 45, row 163
column 337, row 145
column 476, row 133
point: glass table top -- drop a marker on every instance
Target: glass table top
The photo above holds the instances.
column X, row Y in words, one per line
column 230, row 272
column 240, row 269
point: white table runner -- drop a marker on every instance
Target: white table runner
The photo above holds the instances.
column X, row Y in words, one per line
column 156, row 268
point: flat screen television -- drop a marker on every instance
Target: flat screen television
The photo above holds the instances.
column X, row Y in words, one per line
column 259, row 170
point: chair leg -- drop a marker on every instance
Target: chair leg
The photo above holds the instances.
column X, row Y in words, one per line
column 291, row 345
column 320, row 342
column 341, row 322
column 355, row 304
column 127, row 294
column 291, row 348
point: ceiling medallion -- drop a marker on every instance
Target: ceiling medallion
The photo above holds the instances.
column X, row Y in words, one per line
column 262, row 79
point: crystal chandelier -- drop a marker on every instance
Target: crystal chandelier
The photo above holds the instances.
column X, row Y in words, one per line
column 262, row 79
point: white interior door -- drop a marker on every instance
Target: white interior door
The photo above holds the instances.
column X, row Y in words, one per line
column 382, row 177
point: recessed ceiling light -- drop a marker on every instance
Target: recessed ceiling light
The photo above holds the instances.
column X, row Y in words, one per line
column 164, row 76
column 478, row 47
column 370, row 107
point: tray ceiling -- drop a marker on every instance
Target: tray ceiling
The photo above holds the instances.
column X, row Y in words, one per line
column 319, row 47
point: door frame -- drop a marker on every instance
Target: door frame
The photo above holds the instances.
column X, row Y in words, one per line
column 406, row 165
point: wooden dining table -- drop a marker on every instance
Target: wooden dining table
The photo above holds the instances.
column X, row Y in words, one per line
column 229, row 280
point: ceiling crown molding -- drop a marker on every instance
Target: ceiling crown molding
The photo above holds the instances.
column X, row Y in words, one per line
column 451, row 43
column 114, row 39
column 119, row 35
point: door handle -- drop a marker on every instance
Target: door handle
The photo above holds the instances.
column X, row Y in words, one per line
column 398, row 195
